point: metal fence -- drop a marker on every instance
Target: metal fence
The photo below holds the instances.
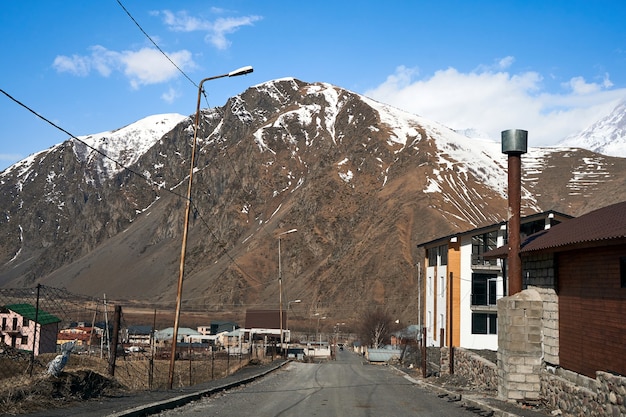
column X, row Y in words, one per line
column 36, row 322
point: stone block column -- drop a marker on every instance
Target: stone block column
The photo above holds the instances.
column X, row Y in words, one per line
column 520, row 353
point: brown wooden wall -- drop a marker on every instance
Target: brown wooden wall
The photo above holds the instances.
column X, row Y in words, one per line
column 592, row 311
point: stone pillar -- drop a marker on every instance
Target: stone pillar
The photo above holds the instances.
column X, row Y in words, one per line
column 550, row 325
column 520, row 353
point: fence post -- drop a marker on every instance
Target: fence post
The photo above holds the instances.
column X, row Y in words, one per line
column 113, row 348
column 32, row 353
column 189, row 353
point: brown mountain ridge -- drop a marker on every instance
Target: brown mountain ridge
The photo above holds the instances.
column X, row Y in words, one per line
column 363, row 184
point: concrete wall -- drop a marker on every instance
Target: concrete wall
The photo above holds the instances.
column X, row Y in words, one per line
column 550, row 324
column 538, row 271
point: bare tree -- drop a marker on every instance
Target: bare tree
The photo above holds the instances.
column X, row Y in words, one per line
column 376, row 328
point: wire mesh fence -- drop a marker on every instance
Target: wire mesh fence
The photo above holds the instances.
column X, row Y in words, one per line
column 36, row 322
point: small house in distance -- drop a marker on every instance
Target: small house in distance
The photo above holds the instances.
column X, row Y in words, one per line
column 25, row 328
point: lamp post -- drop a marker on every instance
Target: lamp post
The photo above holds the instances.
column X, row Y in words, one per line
column 287, row 319
column 280, row 287
column 235, row 73
column 318, row 328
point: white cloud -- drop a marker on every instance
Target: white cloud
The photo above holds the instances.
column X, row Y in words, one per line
column 148, row 66
column 495, row 100
column 506, row 62
column 216, row 31
column 170, row 95
column 143, row 67
column 578, row 85
column 75, row 64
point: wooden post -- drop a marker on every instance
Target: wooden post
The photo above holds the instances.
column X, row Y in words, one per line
column 450, row 327
column 424, row 352
column 114, row 339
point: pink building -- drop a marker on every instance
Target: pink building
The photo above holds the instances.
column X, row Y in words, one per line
column 25, row 328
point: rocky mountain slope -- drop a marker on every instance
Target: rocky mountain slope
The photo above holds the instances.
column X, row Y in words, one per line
column 361, row 182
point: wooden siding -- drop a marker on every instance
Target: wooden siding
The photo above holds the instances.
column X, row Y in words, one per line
column 592, row 310
column 454, row 267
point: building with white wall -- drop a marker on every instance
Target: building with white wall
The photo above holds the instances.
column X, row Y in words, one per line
column 460, row 287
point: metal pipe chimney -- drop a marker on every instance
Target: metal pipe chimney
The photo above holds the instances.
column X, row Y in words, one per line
column 514, row 144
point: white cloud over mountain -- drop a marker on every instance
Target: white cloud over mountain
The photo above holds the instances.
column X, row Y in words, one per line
column 493, row 99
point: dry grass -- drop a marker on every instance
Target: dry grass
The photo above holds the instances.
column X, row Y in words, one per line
column 87, row 377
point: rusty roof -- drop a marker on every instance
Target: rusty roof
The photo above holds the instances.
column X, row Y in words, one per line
column 605, row 224
column 264, row 319
column 602, row 225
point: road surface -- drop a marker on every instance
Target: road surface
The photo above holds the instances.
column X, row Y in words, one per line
column 346, row 387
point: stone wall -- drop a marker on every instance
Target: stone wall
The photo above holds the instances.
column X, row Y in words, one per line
column 473, row 367
column 578, row 395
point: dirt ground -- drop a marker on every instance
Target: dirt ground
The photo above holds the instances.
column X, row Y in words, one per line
column 21, row 393
column 86, row 377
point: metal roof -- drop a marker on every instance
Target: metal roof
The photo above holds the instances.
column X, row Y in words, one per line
column 525, row 219
column 599, row 226
column 29, row 311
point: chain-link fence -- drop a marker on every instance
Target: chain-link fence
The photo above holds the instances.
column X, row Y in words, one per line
column 36, row 322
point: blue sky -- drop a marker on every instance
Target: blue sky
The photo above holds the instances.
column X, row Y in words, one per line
column 550, row 67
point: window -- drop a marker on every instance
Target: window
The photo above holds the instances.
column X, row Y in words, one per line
column 4, row 323
column 14, row 323
column 443, row 255
column 484, row 323
column 24, row 340
column 437, row 255
column 431, row 254
column 25, row 322
column 481, row 244
column 484, row 289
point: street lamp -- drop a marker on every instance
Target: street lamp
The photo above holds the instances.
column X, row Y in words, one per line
column 235, row 73
column 318, row 327
column 287, row 319
column 280, row 287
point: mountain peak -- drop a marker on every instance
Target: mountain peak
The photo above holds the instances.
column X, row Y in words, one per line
column 124, row 146
column 606, row 136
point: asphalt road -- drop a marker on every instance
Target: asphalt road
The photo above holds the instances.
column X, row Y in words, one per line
column 345, row 387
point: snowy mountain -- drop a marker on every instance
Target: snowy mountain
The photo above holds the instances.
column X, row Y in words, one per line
column 607, row 136
column 111, row 151
column 362, row 182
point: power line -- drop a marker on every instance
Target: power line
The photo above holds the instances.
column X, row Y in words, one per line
column 155, row 44
column 104, row 155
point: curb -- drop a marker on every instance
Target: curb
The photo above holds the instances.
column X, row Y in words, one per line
column 159, row 406
column 471, row 402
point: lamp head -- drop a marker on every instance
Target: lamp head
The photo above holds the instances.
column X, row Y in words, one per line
column 241, row 71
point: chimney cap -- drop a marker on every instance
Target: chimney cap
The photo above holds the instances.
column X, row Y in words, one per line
column 514, row 141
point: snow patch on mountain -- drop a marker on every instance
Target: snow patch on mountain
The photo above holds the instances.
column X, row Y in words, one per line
column 606, row 136
column 123, row 147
